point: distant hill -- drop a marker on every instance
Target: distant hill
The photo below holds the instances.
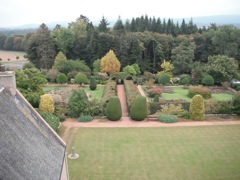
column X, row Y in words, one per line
column 200, row 21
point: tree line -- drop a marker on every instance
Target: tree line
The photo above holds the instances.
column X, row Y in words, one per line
column 144, row 41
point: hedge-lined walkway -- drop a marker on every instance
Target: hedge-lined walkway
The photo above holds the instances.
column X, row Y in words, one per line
column 122, row 97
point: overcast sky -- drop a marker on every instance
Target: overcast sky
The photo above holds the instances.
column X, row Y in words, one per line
column 21, row 12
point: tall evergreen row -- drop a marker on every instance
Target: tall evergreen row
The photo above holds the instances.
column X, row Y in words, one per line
column 143, row 40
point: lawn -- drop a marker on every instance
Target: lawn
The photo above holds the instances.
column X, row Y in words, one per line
column 96, row 94
column 180, row 93
column 209, row 152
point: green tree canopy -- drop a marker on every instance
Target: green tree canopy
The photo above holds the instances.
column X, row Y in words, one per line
column 222, row 68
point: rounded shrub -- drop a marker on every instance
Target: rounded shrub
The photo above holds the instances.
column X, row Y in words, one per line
column 184, row 76
column 114, row 110
column 164, row 79
column 92, row 84
column 81, row 78
column 236, row 103
column 165, row 118
column 46, row 103
column 203, row 91
column 139, row 109
column 208, row 80
column 185, row 81
column 197, row 110
column 85, row 118
column 61, row 78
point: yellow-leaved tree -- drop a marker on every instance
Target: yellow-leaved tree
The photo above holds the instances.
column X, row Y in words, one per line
column 167, row 68
column 110, row 63
column 46, row 103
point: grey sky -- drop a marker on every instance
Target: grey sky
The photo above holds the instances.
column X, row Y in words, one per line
column 20, row 12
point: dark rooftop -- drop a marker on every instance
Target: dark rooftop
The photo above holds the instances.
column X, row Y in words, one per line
column 29, row 148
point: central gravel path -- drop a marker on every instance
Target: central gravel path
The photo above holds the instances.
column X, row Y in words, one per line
column 122, row 97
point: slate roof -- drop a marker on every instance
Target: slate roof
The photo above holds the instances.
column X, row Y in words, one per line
column 28, row 148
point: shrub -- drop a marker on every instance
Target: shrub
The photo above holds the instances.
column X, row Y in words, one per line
column 236, row 103
column 212, row 106
column 78, row 102
column 184, row 76
column 92, row 84
column 28, row 65
column 203, row 91
column 156, row 98
column 46, row 103
column 185, row 114
column 208, row 80
column 131, row 92
column 72, row 75
column 17, row 57
column 51, row 119
column 129, row 78
column 61, row 78
column 85, row 118
column 139, row 110
column 96, row 108
column 164, row 79
column 109, row 90
column 155, row 91
column 185, row 81
column 81, row 78
column 171, row 109
column 52, row 75
column 114, row 110
column 153, row 107
column 167, row 118
column 197, row 110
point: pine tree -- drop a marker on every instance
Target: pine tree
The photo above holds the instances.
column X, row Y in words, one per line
column 103, row 25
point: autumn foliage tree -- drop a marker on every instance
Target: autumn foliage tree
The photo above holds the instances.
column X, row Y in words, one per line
column 110, row 63
column 46, row 103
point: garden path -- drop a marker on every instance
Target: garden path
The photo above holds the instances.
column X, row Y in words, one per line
column 122, row 97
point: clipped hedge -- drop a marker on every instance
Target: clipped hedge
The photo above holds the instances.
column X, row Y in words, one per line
column 164, row 79
column 131, row 92
column 203, row 91
column 92, row 84
column 139, row 109
column 165, row 118
column 208, row 80
column 197, row 110
column 114, row 110
column 109, row 90
column 85, row 118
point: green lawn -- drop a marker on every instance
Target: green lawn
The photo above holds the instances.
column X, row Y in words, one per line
column 180, row 93
column 210, row 152
column 96, row 94
column 49, row 88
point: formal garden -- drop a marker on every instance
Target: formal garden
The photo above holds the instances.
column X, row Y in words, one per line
column 73, row 76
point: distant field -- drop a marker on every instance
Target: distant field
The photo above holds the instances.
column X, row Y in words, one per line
column 11, row 55
column 210, row 152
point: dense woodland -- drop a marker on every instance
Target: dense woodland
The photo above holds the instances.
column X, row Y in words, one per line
column 146, row 41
